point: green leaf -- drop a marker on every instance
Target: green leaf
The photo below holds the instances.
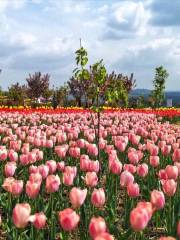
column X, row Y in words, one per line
column 75, row 70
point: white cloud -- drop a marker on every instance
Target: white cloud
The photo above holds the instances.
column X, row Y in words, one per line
column 43, row 35
column 103, row 9
column 11, row 4
column 127, row 19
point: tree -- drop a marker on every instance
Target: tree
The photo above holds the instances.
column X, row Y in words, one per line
column 77, row 89
column 38, row 85
column 80, row 81
column 17, row 93
column 117, row 88
column 140, row 101
column 83, row 84
column 62, row 95
column 1, row 92
column 47, row 94
column 158, row 93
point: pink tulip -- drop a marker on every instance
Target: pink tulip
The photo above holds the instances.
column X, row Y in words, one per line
column 162, row 174
column 32, row 189
column 52, row 166
column 141, row 147
column 38, row 220
column 97, row 226
column 90, row 138
column 92, row 149
column 62, row 138
column 98, row 197
column 39, row 155
column 7, row 184
column 77, row 197
column 109, row 148
column 148, row 206
column 135, row 139
column 142, row 170
column 133, row 157
column 126, row 178
column 61, row 151
column 68, row 219
column 81, row 143
column 112, row 156
column 24, row 159
column 32, row 157
column 177, row 164
column 91, row 179
column 33, row 169
column 172, row 172
column 175, row 146
column 43, row 170
column 52, row 183
column 84, row 162
column 17, row 187
column 104, row 236
column 35, row 177
column 102, row 143
column 76, row 152
column 13, row 156
column 9, row 169
column 154, row 161
column 21, row 214
column 25, row 148
column 161, row 144
column 140, row 155
column 93, row 166
column 139, row 219
column 71, row 170
column 115, row 166
column 166, row 150
column 167, row 238
column 3, row 154
column 68, row 178
column 176, row 155
column 61, row 166
column 154, row 150
column 37, row 142
column 133, row 190
column 121, row 146
column 169, row 187
column 49, row 143
column 157, row 199
column 130, row 168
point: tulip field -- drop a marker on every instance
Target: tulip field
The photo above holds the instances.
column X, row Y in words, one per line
column 66, row 174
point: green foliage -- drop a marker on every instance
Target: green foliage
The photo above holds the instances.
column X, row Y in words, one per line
column 95, row 86
column 99, row 72
column 81, row 73
column 17, row 93
column 62, row 95
column 47, row 93
column 161, row 75
column 140, row 102
column 81, row 57
column 1, row 92
column 116, row 91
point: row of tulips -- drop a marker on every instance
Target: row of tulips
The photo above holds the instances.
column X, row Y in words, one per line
column 163, row 112
column 54, row 185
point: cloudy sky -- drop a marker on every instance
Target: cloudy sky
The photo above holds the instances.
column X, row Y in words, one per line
column 130, row 35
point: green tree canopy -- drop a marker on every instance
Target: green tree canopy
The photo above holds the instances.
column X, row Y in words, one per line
column 158, row 94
